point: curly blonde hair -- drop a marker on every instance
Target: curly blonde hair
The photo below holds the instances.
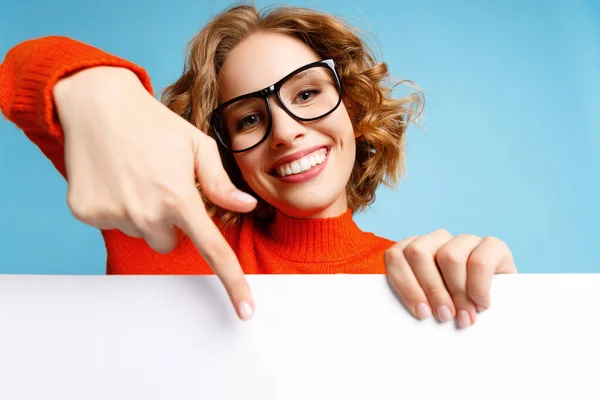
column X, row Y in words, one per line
column 381, row 120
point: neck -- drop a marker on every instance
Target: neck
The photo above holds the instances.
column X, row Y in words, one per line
column 317, row 239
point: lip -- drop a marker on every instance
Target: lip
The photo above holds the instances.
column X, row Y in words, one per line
column 306, row 175
column 295, row 156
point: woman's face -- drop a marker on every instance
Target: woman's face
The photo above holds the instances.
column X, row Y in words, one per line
column 317, row 156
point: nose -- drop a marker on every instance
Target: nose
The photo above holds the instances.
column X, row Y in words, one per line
column 284, row 129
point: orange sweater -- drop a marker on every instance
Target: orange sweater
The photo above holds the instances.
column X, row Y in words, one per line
column 317, row 246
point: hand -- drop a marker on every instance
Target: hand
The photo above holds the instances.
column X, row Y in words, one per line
column 447, row 276
column 131, row 165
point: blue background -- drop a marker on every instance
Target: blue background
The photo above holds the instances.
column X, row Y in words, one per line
column 512, row 122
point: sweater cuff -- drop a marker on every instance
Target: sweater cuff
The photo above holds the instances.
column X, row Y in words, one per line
column 34, row 99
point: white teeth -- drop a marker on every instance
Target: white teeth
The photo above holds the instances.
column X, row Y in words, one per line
column 296, row 167
column 303, row 164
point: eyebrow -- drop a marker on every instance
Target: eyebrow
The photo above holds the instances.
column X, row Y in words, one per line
column 241, row 103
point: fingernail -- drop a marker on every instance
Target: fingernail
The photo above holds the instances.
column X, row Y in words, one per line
column 464, row 320
column 246, row 311
column 444, row 313
column 423, row 311
column 481, row 309
column 243, row 197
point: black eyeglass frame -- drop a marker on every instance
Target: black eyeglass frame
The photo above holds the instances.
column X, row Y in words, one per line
column 273, row 89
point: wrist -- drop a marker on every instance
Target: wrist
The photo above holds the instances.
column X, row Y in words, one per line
column 101, row 84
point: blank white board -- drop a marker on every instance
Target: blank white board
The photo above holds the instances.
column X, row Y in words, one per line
column 312, row 337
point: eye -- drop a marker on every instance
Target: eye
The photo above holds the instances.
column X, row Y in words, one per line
column 306, row 95
column 247, row 122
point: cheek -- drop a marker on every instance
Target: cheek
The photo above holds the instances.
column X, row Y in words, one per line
column 249, row 166
column 341, row 128
column 342, row 120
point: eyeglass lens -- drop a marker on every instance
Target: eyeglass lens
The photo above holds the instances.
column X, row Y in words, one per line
column 309, row 94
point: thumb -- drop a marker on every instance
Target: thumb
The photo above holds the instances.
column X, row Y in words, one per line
column 214, row 181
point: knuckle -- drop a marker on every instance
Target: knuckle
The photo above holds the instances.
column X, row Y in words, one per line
column 443, row 232
column 468, row 238
column 435, row 293
column 144, row 220
column 76, row 205
column 448, row 258
column 416, row 251
column 211, row 188
column 478, row 293
column 494, row 240
column 80, row 213
column 172, row 199
column 460, row 299
column 177, row 200
column 163, row 247
column 477, row 262
column 393, row 255
column 499, row 243
column 87, row 211
column 214, row 253
column 216, row 185
column 191, row 198
column 412, row 297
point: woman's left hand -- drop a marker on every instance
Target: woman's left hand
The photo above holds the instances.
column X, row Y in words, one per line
column 447, row 276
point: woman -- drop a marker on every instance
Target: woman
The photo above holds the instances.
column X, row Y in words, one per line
column 297, row 115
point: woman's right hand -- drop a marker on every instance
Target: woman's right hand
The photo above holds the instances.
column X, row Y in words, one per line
column 131, row 165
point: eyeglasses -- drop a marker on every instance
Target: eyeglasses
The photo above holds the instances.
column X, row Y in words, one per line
column 306, row 94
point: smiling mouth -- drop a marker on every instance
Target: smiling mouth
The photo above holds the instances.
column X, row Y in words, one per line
column 303, row 164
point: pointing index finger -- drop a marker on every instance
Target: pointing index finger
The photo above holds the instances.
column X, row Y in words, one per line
column 193, row 219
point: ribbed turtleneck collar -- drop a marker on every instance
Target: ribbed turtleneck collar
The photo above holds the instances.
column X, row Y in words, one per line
column 317, row 240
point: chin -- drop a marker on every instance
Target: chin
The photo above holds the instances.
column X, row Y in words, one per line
column 312, row 209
